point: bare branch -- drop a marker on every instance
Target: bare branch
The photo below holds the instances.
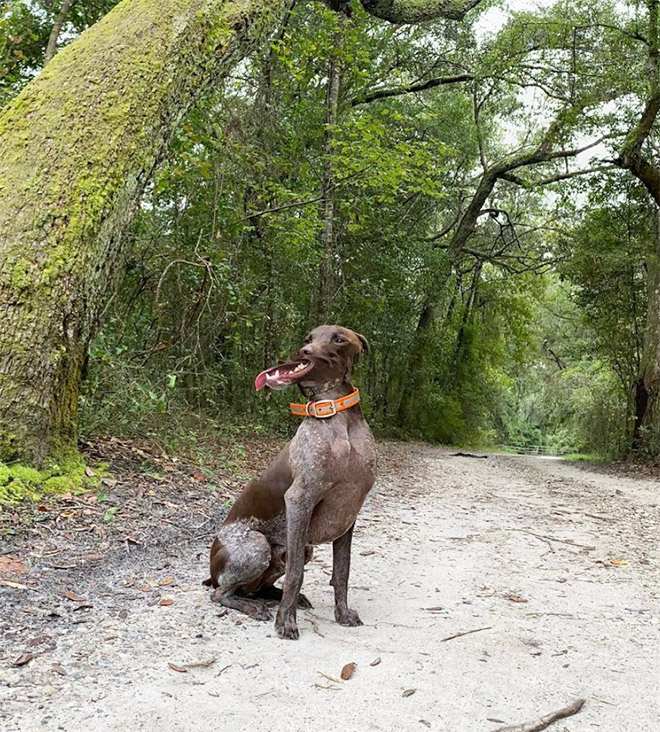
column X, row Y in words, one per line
column 411, row 89
column 556, row 178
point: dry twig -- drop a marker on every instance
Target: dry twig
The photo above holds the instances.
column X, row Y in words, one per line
column 545, row 721
column 466, row 632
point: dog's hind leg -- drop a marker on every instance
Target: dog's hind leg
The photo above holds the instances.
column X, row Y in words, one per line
column 341, row 567
column 239, row 558
column 268, row 591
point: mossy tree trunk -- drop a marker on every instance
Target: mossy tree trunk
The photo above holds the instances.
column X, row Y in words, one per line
column 77, row 148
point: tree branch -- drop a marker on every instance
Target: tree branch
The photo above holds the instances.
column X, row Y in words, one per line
column 556, row 178
column 411, row 89
column 543, row 153
column 60, row 20
column 416, row 11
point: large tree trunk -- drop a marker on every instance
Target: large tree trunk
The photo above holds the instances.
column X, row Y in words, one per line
column 77, row 148
column 647, row 419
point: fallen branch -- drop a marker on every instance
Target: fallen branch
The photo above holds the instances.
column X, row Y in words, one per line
column 466, row 632
column 547, row 720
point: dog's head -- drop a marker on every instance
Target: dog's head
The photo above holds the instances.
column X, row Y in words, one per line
column 329, row 352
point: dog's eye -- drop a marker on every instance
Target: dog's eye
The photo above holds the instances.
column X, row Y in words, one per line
column 339, row 339
column 307, row 340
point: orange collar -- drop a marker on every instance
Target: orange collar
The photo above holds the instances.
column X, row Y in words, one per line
column 324, row 408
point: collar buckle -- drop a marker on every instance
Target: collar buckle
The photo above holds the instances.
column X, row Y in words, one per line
column 328, row 407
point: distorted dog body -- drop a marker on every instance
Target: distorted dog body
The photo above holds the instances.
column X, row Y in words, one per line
column 310, row 494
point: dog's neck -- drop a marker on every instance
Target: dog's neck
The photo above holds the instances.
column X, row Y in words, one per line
column 333, row 389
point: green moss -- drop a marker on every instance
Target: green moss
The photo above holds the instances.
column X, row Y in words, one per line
column 21, row 482
column 20, row 275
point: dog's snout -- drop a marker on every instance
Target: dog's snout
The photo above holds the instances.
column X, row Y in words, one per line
column 307, row 350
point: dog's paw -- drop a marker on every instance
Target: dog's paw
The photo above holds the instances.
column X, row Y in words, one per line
column 304, row 603
column 216, row 595
column 286, row 627
column 348, row 617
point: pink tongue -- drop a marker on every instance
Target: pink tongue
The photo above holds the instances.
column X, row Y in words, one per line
column 262, row 378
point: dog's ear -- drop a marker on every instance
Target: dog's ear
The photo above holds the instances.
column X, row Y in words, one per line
column 365, row 344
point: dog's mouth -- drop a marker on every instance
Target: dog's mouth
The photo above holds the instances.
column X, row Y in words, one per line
column 282, row 375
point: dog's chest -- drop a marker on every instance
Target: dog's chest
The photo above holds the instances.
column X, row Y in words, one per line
column 332, row 451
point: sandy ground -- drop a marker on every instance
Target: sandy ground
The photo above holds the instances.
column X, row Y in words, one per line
column 555, row 567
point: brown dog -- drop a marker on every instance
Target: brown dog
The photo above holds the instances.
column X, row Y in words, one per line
column 311, row 493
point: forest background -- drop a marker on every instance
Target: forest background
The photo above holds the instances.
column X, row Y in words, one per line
column 476, row 193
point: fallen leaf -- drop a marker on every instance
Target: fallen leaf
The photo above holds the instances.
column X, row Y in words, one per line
column 179, row 669
column 39, row 640
column 59, row 669
column 166, row 581
column 166, row 601
column 433, row 609
column 110, row 513
column 23, row 659
column 375, row 662
column 367, row 553
column 14, row 585
column 409, row 692
column 347, row 671
column 12, row 565
column 515, row 598
column 145, row 588
column 199, row 477
column 71, row 595
column 62, row 565
column 89, row 472
column 43, row 508
column 92, row 557
column 618, row 562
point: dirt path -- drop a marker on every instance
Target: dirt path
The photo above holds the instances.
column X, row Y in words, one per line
column 556, row 567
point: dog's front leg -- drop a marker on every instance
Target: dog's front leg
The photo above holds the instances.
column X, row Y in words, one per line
column 299, row 506
column 341, row 567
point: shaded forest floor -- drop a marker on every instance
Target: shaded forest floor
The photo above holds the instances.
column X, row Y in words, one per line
column 105, row 625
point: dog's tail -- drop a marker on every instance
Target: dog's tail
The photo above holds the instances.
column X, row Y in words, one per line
column 217, row 562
